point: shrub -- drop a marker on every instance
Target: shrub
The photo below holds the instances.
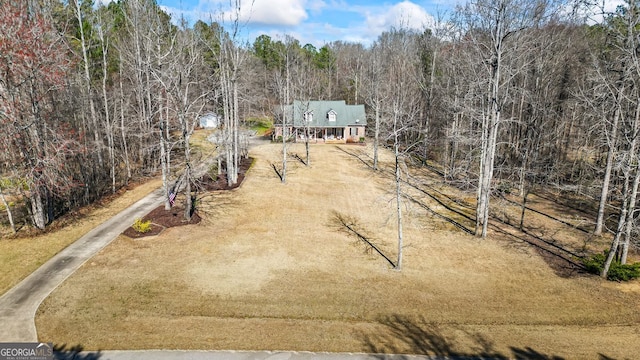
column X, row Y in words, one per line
column 624, row 272
column 213, row 170
column 141, row 226
column 362, row 139
column 262, row 126
column 617, row 272
column 594, row 263
column 290, row 138
column 504, row 187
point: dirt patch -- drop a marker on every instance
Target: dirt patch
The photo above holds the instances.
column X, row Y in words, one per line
column 171, row 218
column 162, row 219
column 134, row 234
column 242, row 276
column 208, row 183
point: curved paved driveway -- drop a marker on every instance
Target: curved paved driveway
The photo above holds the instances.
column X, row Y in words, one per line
column 18, row 306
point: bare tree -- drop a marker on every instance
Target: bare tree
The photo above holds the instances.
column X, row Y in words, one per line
column 623, row 30
column 87, row 86
column 33, row 66
column 492, row 28
column 283, row 89
column 232, row 57
column 305, row 81
column 5, row 183
column 375, row 97
column 102, row 26
column 399, row 87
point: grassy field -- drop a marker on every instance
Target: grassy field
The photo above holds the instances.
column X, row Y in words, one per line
column 269, row 268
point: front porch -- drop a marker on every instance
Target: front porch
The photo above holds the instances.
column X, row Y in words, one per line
column 335, row 135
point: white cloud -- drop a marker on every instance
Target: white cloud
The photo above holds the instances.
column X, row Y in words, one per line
column 593, row 13
column 402, row 15
column 316, row 6
column 612, row 5
column 272, row 12
column 266, row 12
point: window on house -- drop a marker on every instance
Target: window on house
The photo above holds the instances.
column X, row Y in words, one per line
column 331, row 115
column 308, row 116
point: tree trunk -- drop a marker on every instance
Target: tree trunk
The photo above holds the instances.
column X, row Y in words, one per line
column 188, row 205
column 125, row 147
column 38, row 213
column 629, row 218
column 283, row 176
column 398, row 194
column 490, row 133
column 613, row 250
column 87, row 87
column 634, row 168
column 236, row 126
column 306, row 142
column 8, row 208
column 607, row 173
column 624, row 213
column 165, row 167
column 376, row 134
column 486, row 173
column 107, row 118
column 451, row 164
column 167, row 137
column 524, row 207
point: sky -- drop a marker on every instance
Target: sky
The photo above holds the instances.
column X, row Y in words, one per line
column 320, row 22
column 316, row 22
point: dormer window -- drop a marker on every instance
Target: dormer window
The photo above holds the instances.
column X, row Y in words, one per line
column 331, row 115
column 308, row 116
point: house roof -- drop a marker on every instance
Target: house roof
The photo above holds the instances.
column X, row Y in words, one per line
column 345, row 115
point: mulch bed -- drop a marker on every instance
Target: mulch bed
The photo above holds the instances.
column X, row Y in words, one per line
column 162, row 219
column 132, row 233
column 220, row 182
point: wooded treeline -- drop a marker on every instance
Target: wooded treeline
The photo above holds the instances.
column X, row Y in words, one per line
column 502, row 96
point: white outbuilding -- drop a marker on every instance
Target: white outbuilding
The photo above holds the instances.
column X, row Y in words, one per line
column 209, row 121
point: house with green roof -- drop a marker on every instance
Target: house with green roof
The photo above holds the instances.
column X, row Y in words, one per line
column 322, row 121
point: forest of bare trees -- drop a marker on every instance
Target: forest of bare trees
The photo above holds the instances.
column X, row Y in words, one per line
column 501, row 96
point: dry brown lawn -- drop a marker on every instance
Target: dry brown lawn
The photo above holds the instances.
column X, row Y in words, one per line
column 21, row 255
column 269, row 269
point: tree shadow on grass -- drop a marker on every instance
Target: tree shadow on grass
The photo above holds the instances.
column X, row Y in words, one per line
column 563, row 262
column 448, row 203
column 76, row 352
column 358, row 156
column 404, row 335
